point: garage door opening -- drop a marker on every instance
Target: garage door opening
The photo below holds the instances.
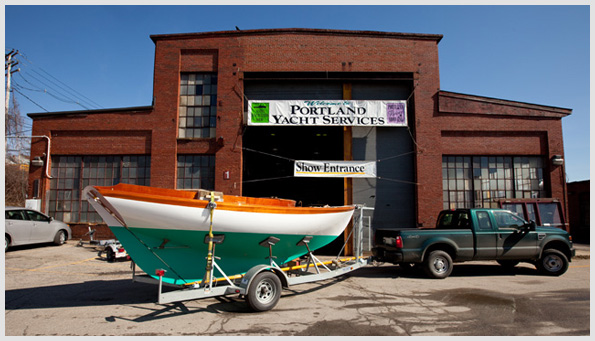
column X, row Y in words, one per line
column 269, row 154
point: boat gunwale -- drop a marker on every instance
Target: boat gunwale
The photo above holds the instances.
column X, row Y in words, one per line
column 112, row 191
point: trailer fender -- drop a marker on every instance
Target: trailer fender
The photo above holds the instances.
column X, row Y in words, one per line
column 255, row 270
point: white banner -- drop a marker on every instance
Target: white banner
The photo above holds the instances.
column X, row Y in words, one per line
column 335, row 169
column 327, row 113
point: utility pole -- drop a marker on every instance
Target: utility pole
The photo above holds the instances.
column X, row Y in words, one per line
column 9, row 63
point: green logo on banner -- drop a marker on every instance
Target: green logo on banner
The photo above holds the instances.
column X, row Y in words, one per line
column 260, row 113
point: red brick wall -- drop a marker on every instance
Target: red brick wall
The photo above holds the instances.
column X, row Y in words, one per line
column 289, row 50
column 473, row 125
column 80, row 231
column 443, row 122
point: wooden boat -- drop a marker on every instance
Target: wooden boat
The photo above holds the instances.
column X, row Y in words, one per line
column 166, row 229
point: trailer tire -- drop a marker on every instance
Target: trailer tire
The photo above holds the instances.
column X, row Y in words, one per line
column 264, row 291
column 438, row 264
column 110, row 255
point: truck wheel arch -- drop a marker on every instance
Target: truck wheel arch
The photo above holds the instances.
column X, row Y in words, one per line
column 439, row 246
column 557, row 245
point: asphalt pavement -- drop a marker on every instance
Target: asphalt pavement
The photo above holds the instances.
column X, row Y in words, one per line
column 70, row 291
column 582, row 251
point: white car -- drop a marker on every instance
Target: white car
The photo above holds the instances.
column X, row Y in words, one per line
column 26, row 226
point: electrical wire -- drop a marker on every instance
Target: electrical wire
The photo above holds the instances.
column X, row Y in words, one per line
column 42, row 81
column 293, row 160
column 72, row 92
column 32, row 101
column 65, row 100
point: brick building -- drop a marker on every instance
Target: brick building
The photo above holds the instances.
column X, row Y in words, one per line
column 457, row 150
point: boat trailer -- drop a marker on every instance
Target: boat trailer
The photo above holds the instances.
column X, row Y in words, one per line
column 262, row 284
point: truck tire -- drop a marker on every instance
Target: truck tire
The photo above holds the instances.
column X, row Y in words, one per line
column 552, row 263
column 438, row 264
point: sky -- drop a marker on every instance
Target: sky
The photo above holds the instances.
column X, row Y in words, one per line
column 101, row 56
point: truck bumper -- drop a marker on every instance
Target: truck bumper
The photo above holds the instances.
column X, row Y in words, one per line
column 383, row 255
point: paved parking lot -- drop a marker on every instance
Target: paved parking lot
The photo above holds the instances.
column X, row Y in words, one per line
column 68, row 290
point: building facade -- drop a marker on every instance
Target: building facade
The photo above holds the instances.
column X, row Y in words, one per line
column 457, row 150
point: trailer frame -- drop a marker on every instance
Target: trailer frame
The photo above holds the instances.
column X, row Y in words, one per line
column 262, row 284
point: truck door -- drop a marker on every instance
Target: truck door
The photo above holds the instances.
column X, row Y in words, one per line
column 485, row 236
column 514, row 242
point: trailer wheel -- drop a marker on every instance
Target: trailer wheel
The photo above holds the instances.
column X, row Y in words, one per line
column 264, row 291
column 438, row 264
column 110, row 255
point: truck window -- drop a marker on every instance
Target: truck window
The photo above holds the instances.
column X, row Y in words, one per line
column 483, row 220
column 453, row 220
column 506, row 219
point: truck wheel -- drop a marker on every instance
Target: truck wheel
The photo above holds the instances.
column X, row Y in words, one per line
column 438, row 264
column 552, row 263
column 264, row 291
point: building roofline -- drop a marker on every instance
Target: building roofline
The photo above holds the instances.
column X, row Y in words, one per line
column 87, row 112
column 380, row 34
column 492, row 100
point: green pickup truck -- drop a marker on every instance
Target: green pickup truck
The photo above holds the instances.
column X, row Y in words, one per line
column 476, row 234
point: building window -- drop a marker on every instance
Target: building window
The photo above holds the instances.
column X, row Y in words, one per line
column 196, row 171
column 198, row 105
column 71, row 174
column 481, row 181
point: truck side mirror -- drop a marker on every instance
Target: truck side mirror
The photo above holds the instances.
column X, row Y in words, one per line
column 531, row 225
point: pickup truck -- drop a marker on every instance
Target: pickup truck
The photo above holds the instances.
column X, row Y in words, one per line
column 475, row 234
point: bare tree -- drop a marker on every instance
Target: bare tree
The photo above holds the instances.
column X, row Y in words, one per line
column 15, row 184
column 16, row 156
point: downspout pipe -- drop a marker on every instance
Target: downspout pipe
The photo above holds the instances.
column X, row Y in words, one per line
column 47, row 165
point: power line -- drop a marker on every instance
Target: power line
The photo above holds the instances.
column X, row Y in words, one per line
column 66, row 85
column 49, row 80
column 42, row 81
column 67, row 100
column 70, row 89
column 30, row 100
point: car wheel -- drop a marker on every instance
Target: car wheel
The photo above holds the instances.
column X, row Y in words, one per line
column 438, row 264
column 60, row 237
column 6, row 243
column 552, row 263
